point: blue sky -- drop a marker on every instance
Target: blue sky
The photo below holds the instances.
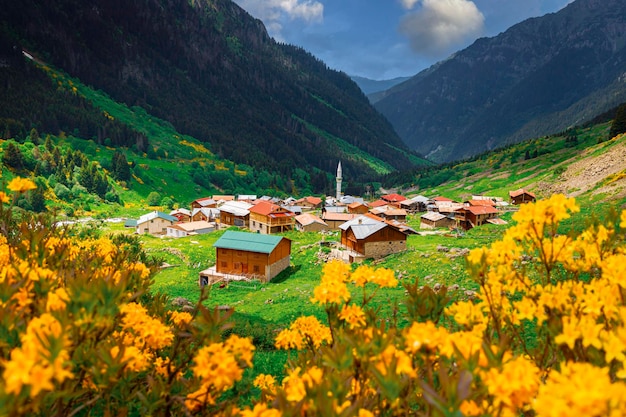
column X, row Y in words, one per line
column 383, row 39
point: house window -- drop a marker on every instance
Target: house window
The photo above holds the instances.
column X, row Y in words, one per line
column 223, row 264
column 256, row 269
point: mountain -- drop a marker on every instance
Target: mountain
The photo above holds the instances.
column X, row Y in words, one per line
column 369, row 86
column 211, row 71
column 537, row 78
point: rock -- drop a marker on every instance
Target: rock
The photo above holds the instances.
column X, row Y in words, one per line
column 470, row 294
column 454, row 287
column 188, row 308
column 180, row 301
column 441, row 248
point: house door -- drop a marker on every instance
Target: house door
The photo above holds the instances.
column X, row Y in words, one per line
column 244, row 268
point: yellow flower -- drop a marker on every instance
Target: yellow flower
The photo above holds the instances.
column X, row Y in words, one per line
column 396, row 359
column 580, row 389
column 265, row 382
column 217, row 367
column 384, row 278
column 353, row 315
column 148, row 331
column 261, row 410
column 293, row 386
column 201, row 397
column 304, row 329
column 35, row 364
column 330, row 293
column 289, row 339
column 57, row 300
column 424, row 335
column 19, row 185
column 623, row 220
column 470, row 408
column 180, row 318
column 4, row 198
column 336, row 270
column 241, row 347
column 515, row 385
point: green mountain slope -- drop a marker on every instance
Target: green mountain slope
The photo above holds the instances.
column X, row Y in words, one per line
column 539, row 77
column 212, row 72
column 580, row 162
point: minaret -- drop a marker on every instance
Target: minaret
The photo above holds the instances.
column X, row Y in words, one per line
column 339, row 181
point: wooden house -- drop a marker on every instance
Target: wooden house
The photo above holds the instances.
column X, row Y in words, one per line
column 479, row 203
column 358, row 208
column 154, row 223
column 473, row 216
column 393, row 199
column 205, row 214
column 389, row 212
column 521, row 196
column 182, row 214
column 248, row 198
column 367, row 237
column 235, row 213
column 248, row 255
column 208, row 202
column 447, row 207
column 434, row 220
column 268, row 218
column 309, row 203
column 415, row 204
column 334, row 220
column 308, row 222
column 223, row 198
column 190, row 229
column 377, row 203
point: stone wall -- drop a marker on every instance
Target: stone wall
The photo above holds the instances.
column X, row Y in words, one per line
column 380, row 249
column 276, row 268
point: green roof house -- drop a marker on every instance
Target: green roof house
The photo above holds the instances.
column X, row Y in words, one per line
column 243, row 255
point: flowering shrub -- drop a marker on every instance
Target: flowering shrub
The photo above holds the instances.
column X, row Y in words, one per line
column 545, row 335
column 79, row 330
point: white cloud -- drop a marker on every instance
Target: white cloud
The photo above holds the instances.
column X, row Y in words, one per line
column 408, row 4
column 440, row 25
column 271, row 12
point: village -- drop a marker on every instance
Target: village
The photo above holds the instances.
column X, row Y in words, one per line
column 252, row 248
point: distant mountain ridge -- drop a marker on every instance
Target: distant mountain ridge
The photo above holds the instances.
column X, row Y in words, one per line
column 539, row 77
column 212, row 71
column 369, row 86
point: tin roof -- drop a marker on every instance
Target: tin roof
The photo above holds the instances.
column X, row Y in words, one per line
column 156, row 214
column 251, row 242
column 363, row 226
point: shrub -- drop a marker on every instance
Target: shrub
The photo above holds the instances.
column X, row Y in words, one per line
column 544, row 335
column 154, row 199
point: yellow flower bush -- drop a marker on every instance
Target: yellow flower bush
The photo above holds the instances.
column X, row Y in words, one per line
column 81, row 333
column 544, row 335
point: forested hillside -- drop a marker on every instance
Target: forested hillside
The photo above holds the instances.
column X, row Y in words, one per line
column 206, row 67
column 538, row 78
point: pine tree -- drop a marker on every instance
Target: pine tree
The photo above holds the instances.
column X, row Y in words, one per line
column 34, row 136
column 37, row 196
column 619, row 123
column 13, row 157
column 119, row 167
